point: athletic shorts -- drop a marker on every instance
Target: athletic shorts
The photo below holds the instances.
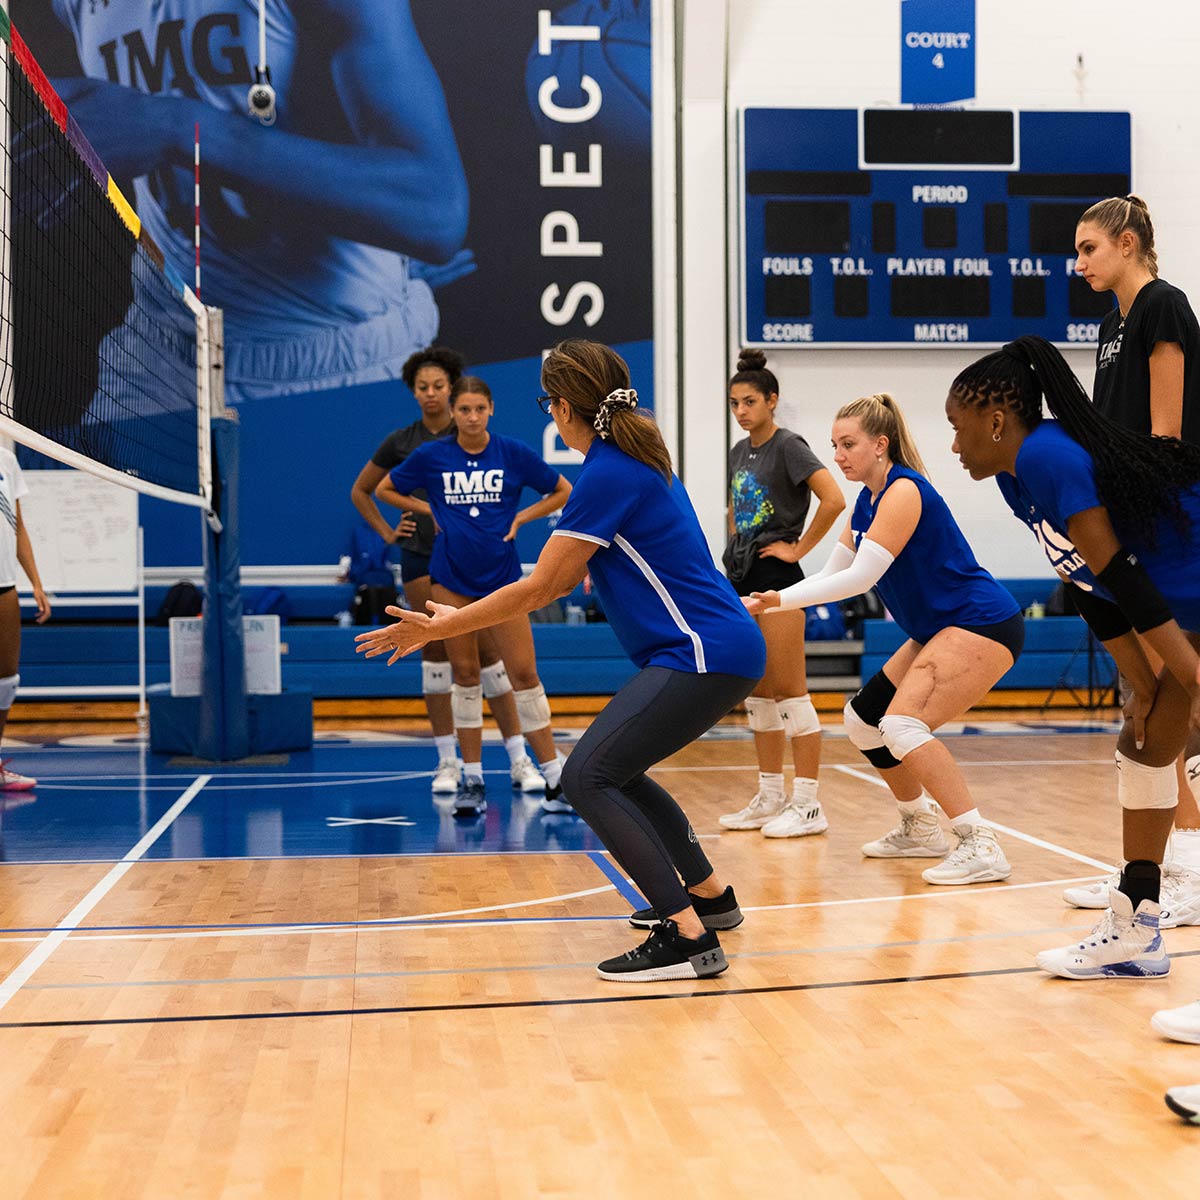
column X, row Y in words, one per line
column 768, row 575
column 1010, row 634
column 413, row 566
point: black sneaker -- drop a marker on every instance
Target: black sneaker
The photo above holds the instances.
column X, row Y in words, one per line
column 470, row 801
column 665, row 954
column 719, row 912
column 554, row 801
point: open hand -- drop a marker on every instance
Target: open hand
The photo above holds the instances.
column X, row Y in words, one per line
column 410, row 633
column 1137, row 708
column 784, row 551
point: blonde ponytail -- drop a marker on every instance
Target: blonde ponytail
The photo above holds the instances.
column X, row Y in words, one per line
column 880, row 416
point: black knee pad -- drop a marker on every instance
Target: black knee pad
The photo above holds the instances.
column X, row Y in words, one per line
column 872, row 699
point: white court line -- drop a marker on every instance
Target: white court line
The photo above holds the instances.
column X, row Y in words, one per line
column 1108, row 868
column 48, row 944
column 404, row 924
column 1000, row 762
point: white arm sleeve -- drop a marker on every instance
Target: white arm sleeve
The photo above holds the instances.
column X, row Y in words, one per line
column 866, row 570
column 840, row 558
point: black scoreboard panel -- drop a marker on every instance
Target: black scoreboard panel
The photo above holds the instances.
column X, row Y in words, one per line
column 922, row 226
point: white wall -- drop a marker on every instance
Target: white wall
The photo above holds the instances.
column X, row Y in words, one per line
column 803, row 53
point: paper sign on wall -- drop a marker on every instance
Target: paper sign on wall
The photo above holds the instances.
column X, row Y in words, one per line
column 937, row 51
column 260, row 636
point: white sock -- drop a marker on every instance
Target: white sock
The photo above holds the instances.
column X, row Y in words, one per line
column 770, row 786
column 1183, row 849
column 913, row 808
column 804, row 789
column 970, row 818
column 447, row 747
column 473, row 771
column 552, row 770
column 515, row 746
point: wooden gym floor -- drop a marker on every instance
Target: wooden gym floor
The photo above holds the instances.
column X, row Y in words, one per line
column 300, row 979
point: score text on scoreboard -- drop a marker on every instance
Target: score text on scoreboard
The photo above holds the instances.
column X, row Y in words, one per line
column 930, row 227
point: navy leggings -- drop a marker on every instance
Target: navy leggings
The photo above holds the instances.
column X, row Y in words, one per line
column 656, row 713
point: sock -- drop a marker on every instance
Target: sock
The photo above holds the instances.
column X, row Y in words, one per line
column 447, row 747
column 515, row 746
column 804, row 789
column 770, row 786
column 473, row 771
column 1140, row 881
column 912, row 808
column 1184, row 849
column 971, row 818
column 552, row 771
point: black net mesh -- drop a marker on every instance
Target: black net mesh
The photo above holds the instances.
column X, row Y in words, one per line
column 101, row 355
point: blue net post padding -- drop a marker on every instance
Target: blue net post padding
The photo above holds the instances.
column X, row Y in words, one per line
column 224, row 728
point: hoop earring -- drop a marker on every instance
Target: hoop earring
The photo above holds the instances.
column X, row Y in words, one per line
column 996, row 436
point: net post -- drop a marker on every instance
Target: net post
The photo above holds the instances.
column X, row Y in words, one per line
column 143, row 716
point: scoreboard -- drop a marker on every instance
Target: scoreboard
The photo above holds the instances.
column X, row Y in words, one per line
column 930, row 227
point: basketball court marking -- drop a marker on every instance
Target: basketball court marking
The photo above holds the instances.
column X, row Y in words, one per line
column 713, row 993
column 36, row 957
column 1109, row 868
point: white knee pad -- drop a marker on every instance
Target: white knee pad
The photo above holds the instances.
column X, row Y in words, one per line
column 533, row 709
column 494, row 680
column 799, row 716
column 466, row 703
column 763, row 715
column 902, row 735
column 435, row 678
column 862, row 736
column 1140, row 786
column 8, row 691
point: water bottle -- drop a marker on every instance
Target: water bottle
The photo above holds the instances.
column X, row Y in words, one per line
column 575, row 615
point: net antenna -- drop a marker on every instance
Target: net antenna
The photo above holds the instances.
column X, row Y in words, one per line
column 108, row 361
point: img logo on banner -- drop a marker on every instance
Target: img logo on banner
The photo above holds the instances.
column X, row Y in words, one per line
column 937, row 51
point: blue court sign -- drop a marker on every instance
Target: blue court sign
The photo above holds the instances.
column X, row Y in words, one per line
column 937, row 51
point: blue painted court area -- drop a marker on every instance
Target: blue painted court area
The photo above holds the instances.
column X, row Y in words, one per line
column 343, row 797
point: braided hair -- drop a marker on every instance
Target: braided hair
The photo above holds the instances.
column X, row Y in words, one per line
column 1138, row 477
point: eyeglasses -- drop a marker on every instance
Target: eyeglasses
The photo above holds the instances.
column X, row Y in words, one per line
column 545, row 403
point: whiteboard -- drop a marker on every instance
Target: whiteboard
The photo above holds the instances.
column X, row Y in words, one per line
column 83, row 531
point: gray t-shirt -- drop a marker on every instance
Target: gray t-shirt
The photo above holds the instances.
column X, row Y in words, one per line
column 396, row 447
column 768, row 488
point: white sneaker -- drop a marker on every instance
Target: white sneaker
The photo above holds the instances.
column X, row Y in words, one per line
column 1179, row 1024
column 1185, row 1102
column 1092, row 895
column 756, row 814
column 448, row 776
column 10, row 781
column 917, row 836
column 526, row 776
column 798, row 818
column 1124, row 945
column 977, row 858
column 1179, row 897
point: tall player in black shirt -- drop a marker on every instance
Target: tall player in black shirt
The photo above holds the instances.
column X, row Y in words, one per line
column 1148, row 380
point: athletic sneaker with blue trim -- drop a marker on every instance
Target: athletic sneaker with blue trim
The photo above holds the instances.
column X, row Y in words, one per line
column 1124, row 945
column 1179, row 896
column 666, row 954
column 1185, row 1102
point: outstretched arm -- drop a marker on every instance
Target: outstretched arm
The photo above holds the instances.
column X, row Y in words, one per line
column 396, row 182
column 560, row 567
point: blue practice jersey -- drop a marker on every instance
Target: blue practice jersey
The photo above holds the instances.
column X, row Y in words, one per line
column 665, row 599
column 1055, row 479
column 474, row 498
column 934, row 581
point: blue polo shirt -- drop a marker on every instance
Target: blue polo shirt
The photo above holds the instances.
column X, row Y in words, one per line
column 1056, row 478
column 934, row 581
column 664, row 597
column 474, row 498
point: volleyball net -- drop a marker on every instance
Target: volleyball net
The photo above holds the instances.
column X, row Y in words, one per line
column 106, row 358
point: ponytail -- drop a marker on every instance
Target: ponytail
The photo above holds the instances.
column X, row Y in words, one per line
column 1119, row 213
column 880, row 416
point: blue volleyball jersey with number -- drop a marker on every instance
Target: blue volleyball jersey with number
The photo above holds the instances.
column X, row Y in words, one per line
column 934, row 581
column 474, row 498
column 662, row 594
column 1056, row 479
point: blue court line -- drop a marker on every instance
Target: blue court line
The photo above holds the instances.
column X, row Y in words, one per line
column 613, row 872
